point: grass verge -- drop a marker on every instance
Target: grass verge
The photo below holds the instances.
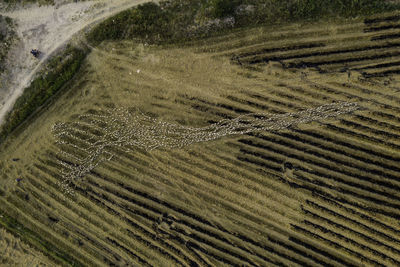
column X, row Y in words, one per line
column 60, row 70
column 7, row 36
column 40, row 2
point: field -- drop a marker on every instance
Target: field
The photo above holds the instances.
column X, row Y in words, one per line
column 265, row 146
column 16, row 253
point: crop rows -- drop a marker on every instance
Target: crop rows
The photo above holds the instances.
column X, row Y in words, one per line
column 297, row 170
column 371, row 49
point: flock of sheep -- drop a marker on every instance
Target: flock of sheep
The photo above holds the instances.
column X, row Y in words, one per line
column 120, row 129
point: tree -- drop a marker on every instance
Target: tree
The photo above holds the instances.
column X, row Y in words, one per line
column 224, row 8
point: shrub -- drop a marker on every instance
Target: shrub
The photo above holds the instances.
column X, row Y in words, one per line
column 224, row 8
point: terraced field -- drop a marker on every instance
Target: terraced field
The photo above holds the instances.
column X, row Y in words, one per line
column 265, row 146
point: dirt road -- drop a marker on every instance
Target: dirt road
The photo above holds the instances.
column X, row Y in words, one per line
column 47, row 28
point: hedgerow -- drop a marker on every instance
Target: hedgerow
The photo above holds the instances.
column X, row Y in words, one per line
column 173, row 21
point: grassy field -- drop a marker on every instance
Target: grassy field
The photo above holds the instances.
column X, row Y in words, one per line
column 94, row 190
column 15, row 253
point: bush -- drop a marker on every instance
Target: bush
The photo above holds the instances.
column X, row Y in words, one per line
column 224, row 8
column 174, row 21
column 40, row 2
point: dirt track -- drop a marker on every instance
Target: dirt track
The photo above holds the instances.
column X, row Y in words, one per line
column 47, row 28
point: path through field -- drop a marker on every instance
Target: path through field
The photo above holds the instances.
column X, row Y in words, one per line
column 47, row 28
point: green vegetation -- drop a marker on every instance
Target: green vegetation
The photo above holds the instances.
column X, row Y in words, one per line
column 311, row 195
column 174, row 21
column 61, row 69
column 322, row 193
column 7, row 36
column 222, row 8
column 147, row 21
column 11, row 3
column 40, row 2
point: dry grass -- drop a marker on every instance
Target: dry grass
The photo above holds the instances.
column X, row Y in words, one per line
column 15, row 253
column 316, row 191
